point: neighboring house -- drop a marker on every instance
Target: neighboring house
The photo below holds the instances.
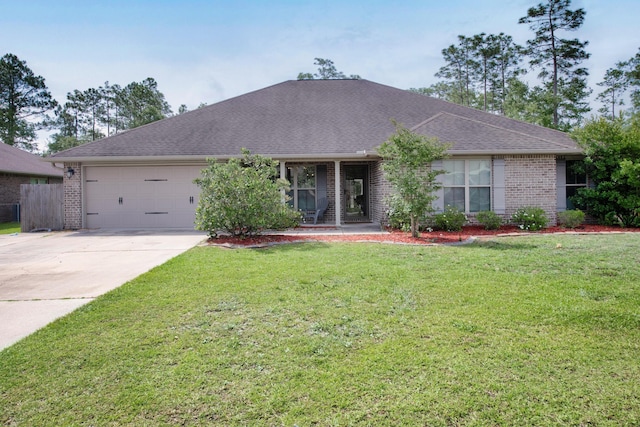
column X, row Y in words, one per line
column 325, row 134
column 20, row 167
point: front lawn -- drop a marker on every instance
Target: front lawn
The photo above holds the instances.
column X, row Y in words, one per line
column 9, row 227
column 526, row 331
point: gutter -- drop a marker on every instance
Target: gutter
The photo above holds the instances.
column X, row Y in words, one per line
column 357, row 156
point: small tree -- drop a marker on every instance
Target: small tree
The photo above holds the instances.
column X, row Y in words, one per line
column 407, row 157
column 243, row 197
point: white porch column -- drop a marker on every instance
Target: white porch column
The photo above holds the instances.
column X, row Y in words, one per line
column 283, row 175
column 338, row 193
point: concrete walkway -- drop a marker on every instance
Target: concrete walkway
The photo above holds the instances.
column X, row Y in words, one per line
column 328, row 229
column 44, row 276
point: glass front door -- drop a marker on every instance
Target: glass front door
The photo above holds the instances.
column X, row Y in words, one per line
column 356, row 191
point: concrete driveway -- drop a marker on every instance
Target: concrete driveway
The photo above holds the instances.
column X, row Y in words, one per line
column 44, row 276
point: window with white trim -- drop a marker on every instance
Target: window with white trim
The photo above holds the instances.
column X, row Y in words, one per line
column 303, row 187
column 467, row 184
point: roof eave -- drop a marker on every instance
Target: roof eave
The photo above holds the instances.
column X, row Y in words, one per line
column 568, row 151
column 364, row 155
column 358, row 156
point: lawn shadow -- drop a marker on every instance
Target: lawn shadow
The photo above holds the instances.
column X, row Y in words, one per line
column 300, row 246
column 499, row 245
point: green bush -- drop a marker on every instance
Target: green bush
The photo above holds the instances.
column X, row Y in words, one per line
column 571, row 218
column 612, row 163
column 489, row 219
column 450, row 220
column 530, row 218
column 399, row 215
column 243, row 197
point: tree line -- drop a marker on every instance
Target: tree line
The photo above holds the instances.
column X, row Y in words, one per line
column 26, row 106
column 486, row 71
column 98, row 112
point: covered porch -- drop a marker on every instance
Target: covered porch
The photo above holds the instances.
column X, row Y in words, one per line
column 346, row 189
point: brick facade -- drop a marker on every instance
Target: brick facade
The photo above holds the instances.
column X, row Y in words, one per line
column 73, row 198
column 380, row 191
column 10, row 194
column 530, row 180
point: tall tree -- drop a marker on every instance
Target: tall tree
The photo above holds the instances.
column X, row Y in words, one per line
column 485, row 50
column 141, row 103
column 458, row 71
column 94, row 110
column 633, row 78
column 110, row 118
column 24, row 99
column 478, row 71
column 78, row 120
column 615, row 84
column 507, row 60
column 326, row 71
column 559, row 59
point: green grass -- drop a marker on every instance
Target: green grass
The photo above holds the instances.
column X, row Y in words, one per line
column 512, row 331
column 9, row 227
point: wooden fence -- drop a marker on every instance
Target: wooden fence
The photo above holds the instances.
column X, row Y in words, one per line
column 41, row 207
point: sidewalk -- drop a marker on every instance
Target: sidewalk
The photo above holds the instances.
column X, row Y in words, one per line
column 328, row 229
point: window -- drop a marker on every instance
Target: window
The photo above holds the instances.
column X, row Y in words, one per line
column 303, row 187
column 467, row 184
column 38, row 180
column 574, row 180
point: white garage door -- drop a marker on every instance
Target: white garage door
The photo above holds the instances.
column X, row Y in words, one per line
column 141, row 196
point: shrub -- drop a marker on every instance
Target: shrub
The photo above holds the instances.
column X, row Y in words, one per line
column 450, row 220
column 489, row 219
column 612, row 163
column 242, row 197
column 571, row 218
column 530, row 218
column 398, row 214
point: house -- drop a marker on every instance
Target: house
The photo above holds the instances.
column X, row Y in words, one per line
column 20, row 167
column 324, row 133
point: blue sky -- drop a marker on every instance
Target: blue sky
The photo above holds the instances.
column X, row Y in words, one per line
column 207, row 51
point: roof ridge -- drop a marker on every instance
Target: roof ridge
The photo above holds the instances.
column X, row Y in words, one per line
column 424, row 122
column 500, row 127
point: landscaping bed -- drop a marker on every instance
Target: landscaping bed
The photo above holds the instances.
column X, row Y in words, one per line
column 400, row 237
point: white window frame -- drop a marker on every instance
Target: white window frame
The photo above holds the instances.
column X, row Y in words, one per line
column 467, row 186
column 295, row 170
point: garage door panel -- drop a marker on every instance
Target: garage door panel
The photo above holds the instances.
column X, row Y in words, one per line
column 141, row 197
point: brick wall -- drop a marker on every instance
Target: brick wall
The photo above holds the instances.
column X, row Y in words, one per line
column 10, row 194
column 380, row 191
column 330, row 214
column 530, row 180
column 73, row 198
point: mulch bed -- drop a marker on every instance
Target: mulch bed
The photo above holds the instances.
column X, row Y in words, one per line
column 399, row 237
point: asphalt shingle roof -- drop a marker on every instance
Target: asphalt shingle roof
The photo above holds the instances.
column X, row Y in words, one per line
column 318, row 118
column 16, row 161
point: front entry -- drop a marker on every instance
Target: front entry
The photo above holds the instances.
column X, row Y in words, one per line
column 356, row 191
